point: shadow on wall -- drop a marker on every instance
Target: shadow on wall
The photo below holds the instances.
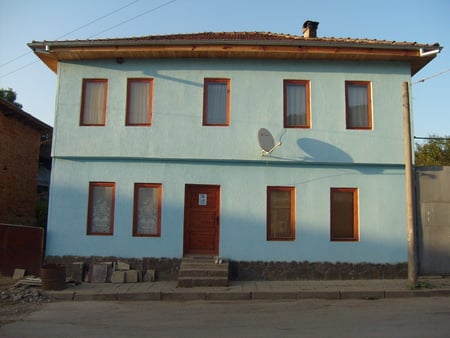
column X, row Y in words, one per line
column 319, row 151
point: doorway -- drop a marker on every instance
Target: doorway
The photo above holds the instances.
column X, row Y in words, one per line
column 201, row 219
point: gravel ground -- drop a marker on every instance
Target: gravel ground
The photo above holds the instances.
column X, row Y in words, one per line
column 18, row 301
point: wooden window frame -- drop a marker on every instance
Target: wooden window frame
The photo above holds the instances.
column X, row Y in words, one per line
column 355, row 225
column 137, row 186
column 205, row 101
column 292, row 213
column 83, row 98
column 307, row 85
column 150, row 108
column 368, row 85
column 92, row 185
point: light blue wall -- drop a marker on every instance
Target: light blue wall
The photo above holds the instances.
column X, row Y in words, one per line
column 242, row 210
column 256, row 102
column 177, row 150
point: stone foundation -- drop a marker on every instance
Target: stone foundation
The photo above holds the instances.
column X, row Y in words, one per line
column 315, row 271
column 167, row 268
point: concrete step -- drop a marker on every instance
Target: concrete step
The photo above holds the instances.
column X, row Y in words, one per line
column 202, row 271
column 189, row 282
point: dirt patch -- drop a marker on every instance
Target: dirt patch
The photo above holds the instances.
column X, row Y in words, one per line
column 17, row 302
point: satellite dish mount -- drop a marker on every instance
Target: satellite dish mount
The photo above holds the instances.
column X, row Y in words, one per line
column 266, row 142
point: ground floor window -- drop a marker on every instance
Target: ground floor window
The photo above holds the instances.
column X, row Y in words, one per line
column 101, row 208
column 280, row 213
column 147, row 209
column 344, row 214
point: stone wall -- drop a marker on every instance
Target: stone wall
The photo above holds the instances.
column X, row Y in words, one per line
column 167, row 269
column 315, row 271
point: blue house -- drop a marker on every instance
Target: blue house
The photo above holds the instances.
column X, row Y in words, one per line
column 277, row 152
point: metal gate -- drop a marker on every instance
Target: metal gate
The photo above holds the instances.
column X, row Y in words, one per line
column 433, row 220
column 21, row 247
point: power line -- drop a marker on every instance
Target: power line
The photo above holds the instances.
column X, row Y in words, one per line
column 17, row 69
column 432, row 76
column 432, row 138
column 73, row 31
column 98, row 19
column 135, row 17
column 16, row 58
column 89, row 23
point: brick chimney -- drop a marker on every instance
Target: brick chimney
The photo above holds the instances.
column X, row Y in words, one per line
column 310, row 29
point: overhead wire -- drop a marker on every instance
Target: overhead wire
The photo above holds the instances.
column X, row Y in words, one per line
column 85, row 25
column 133, row 18
column 73, row 31
column 432, row 76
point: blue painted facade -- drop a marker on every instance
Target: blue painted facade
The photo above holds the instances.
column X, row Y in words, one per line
column 177, row 150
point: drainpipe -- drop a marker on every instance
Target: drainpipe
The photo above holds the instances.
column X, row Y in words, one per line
column 409, row 177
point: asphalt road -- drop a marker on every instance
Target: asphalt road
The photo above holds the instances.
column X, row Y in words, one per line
column 408, row 317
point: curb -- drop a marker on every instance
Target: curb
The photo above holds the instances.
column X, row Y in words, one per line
column 241, row 295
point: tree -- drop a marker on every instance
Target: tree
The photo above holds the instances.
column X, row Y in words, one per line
column 10, row 96
column 434, row 152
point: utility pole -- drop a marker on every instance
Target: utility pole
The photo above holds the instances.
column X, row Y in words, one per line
column 409, row 178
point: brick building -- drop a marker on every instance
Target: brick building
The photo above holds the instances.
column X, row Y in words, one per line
column 20, row 142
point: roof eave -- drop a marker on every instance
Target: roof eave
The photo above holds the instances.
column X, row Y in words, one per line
column 51, row 52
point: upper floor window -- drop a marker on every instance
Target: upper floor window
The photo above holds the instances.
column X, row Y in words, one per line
column 216, row 102
column 101, row 208
column 358, row 104
column 344, row 214
column 93, row 102
column 296, row 104
column 139, row 102
column 280, row 213
column 147, row 209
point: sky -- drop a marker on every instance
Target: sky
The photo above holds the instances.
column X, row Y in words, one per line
column 22, row 21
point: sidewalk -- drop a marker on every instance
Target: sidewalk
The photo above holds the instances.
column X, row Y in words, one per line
column 256, row 290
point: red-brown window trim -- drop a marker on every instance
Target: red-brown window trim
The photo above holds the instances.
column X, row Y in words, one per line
column 368, row 85
column 355, row 215
column 137, row 186
column 205, row 100
column 83, row 97
column 307, row 85
column 292, row 213
column 92, row 185
column 150, row 108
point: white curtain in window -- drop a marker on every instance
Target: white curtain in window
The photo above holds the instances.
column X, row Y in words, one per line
column 216, row 112
column 147, row 213
column 358, row 114
column 102, row 199
column 296, row 105
column 280, row 205
column 139, row 102
column 94, row 102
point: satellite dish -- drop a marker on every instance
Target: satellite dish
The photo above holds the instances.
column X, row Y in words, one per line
column 266, row 141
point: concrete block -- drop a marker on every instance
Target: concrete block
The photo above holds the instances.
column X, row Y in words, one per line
column 131, row 276
column 149, row 276
column 118, row 277
column 78, row 271
column 109, row 270
column 18, row 274
column 98, row 273
column 122, row 266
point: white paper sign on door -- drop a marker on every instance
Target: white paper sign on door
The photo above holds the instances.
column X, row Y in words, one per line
column 202, row 199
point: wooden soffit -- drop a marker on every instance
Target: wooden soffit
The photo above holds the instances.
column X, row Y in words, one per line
column 53, row 52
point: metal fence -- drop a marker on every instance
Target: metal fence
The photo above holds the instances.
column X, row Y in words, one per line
column 21, row 247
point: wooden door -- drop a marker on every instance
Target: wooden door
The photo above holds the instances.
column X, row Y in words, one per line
column 201, row 219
